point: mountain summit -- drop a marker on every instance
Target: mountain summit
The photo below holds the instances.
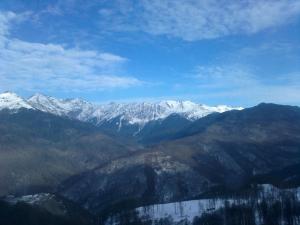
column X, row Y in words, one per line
column 133, row 113
column 11, row 101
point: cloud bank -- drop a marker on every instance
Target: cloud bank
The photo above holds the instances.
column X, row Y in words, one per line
column 193, row 20
column 240, row 84
column 37, row 66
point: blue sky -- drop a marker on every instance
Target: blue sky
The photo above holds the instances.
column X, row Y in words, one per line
column 239, row 52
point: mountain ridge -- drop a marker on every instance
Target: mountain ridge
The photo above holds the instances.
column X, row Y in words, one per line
column 133, row 116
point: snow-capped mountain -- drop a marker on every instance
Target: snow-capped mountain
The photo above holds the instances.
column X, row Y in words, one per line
column 74, row 108
column 136, row 113
column 133, row 113
column 144, row 112
column 12, row 101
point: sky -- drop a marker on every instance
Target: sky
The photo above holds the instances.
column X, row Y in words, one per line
column 238, row 52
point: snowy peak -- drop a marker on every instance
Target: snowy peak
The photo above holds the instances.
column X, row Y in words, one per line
column 142, row 113
column 12, row 101
column 138, row 113
column 46, row 104
column 75, row 108
column 177, row 105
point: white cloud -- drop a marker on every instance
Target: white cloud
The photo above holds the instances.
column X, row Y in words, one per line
column 195, row 20
column 5, row 19
column 232, row 76
column 37, row 66
column 240, row 84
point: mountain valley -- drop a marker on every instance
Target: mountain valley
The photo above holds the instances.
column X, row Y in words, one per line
column 138, row 154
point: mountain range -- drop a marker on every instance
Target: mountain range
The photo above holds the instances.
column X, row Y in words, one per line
column 76, row 135
column 122, row 114
column 111, row 157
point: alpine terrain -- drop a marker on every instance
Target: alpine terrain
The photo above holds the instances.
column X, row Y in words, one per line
column 165, row 162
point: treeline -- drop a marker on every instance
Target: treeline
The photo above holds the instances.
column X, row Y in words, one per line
column 272, row 209
column 265, row 212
